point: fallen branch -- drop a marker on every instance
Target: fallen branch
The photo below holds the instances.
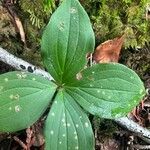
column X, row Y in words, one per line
column 134, row 127
column 22, row 65
column 137, row 146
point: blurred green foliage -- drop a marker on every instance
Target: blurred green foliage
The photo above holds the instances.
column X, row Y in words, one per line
column 112, row 18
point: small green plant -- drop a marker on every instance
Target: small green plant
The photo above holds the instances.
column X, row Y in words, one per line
column 105, row 90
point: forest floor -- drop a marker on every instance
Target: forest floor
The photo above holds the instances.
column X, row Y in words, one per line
column 108, row 135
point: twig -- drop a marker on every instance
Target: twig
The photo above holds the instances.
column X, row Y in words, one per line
column 137, row 146
column 134, row 127
column 20, row 142
column 20, row 64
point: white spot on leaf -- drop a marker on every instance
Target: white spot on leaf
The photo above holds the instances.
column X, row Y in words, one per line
column 77, row 125
column 6, row 79
column 76, row 137
column 15, row 97
column 76, row 147
column 141, row 91
column 109, row 97
column 53, row 114
column 60, row 142
column 91, row 85
column 64, row 135
column 33, row 79
column 131, row 77
column 51, row 132
column 61, row 26
column 10, row 108
column 17, row 108
column 22, row 75
column 63, row 120
column 1, row 88
column 86, row 124
column 73, row 10
column 79, row 76
column 103, row 93
column 11, row 96
column 68, row 124
column 98, row 91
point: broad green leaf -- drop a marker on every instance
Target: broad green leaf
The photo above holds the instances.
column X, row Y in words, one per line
column 67, row 39
column 23, row 99
column 67, row 126
column 107, row 90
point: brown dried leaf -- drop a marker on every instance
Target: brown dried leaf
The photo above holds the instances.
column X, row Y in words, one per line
column 109, row 51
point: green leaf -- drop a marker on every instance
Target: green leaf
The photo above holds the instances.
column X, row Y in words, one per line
column 107, row 90
column 67, row 39
column 23, row 99
column 67, row 126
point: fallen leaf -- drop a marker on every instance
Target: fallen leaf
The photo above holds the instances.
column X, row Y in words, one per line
column 109, row 51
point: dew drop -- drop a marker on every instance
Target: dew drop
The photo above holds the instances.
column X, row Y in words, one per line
column 55, row 102
column 64, row 135
column 75, row 132
column 80, row 117
column 93, row 72
column 33, row 79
